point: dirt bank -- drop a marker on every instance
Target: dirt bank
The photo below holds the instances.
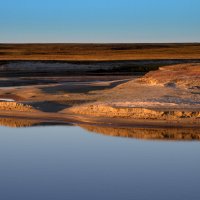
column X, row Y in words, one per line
column 14, row 106
column 170, row 93
column 102, row 110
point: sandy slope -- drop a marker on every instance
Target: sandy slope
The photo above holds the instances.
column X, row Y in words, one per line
column 14, row 106
column 170, row 93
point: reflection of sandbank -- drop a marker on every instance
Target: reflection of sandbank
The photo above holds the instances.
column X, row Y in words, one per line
column 140, row 133
column 11, row 122
column 147, row 133
column 19, row 123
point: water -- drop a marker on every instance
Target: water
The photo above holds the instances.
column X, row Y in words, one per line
column 69, row 163
column 6, row 100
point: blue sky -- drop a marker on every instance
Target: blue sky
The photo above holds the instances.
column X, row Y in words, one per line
column 100, row 21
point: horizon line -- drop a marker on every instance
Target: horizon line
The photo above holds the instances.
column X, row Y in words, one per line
column 99, row 42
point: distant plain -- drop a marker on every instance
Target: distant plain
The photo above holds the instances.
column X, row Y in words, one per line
column 99, row 52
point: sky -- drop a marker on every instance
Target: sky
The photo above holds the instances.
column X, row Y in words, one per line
column 99, row 21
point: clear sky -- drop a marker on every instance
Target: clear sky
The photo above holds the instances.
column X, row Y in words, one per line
column 100, row 21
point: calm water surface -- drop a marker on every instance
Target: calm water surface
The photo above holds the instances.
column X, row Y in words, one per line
column 64, row 163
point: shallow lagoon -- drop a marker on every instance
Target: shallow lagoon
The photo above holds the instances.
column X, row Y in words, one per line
column 67, row 162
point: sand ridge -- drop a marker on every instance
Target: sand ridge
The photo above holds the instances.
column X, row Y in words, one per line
column 14, row 106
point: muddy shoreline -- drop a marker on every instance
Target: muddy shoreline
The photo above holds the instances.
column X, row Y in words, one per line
column 17, row 68
column 71, row 118
column 169, row 96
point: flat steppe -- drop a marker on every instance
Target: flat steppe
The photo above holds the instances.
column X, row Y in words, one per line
column 99, row 52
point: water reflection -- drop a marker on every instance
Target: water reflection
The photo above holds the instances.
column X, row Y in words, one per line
column 186, row 134
column 20, row 123
column 66, row 162
column 147, row 133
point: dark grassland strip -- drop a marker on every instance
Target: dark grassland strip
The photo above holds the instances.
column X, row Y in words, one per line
column 99, row 52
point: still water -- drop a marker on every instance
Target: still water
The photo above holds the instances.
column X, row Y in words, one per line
column 70, row 163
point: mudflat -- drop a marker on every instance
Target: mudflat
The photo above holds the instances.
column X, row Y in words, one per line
column 169, row 96
column 152, row 84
